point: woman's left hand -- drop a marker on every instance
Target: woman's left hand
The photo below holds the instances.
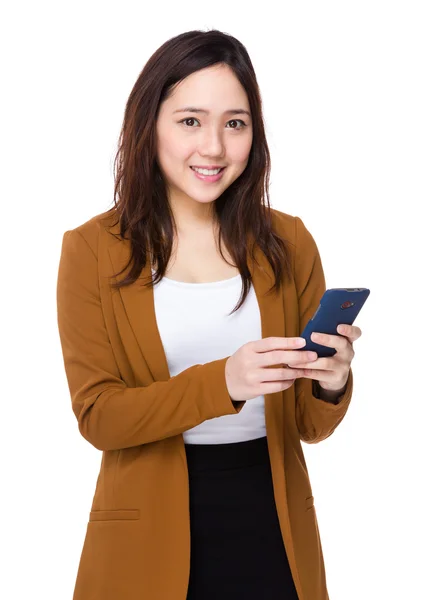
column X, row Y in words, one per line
column 332, row 372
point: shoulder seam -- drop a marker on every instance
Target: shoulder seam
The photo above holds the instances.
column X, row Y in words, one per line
column 81, row 235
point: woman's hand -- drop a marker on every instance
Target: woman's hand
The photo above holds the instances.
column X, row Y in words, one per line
column 332, row 372
column 247, row 374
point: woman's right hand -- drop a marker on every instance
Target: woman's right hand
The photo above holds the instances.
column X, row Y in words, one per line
column 246, row 370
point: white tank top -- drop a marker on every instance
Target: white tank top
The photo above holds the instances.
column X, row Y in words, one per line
column 195, row 328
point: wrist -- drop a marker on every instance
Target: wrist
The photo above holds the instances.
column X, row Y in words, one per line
column 329, row 395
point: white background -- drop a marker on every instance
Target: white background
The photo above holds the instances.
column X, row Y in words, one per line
column 342, row 86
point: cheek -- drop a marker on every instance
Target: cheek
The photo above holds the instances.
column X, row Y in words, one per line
column 171, row 144
column 239, row 153
column 175, row 153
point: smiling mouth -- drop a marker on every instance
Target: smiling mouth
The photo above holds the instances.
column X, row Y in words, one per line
column 207, row 169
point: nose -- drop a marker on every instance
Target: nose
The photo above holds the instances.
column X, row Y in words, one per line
column 211, row 143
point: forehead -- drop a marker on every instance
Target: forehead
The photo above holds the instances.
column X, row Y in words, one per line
column 215, row 89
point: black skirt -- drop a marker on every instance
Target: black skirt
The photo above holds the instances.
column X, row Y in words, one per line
column 237, row 550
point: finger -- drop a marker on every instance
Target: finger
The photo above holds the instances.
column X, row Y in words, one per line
column 332, row 341
column 281, row 374
column 277, row 343
column 352, row 332
column 317, row 374
column 277, row 357
column 319, row 364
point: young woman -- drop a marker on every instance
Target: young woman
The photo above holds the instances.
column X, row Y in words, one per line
column 203, row 491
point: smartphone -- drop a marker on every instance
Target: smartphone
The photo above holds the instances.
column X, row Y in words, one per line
column 337, row 306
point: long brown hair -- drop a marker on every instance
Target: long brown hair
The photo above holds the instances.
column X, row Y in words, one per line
column 242, row 211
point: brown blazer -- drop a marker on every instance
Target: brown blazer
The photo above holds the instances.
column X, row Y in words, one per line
column 137, row 542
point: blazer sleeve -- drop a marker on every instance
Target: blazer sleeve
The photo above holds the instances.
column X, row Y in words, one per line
column 110, row 414
column 316, row 419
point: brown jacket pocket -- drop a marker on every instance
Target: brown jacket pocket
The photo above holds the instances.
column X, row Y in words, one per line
column 115, row 515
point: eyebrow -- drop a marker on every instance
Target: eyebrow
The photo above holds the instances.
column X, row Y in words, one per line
column 231, row 111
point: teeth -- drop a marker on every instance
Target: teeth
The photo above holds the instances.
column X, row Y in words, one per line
column 206, row 171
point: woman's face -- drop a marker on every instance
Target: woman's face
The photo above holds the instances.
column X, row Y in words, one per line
column 216, row 137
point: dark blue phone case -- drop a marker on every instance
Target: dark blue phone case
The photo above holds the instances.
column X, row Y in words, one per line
column 337, row 306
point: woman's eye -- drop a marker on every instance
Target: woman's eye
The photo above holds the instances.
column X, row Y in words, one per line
column 188, row 119
column 243, row 124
